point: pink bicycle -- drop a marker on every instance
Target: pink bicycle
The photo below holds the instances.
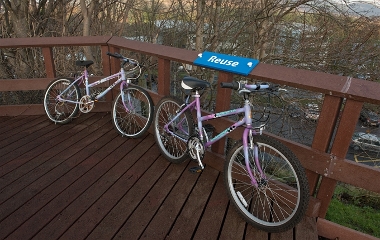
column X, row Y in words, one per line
column 265, row 181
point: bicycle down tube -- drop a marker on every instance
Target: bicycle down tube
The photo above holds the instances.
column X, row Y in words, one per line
column 121, row 76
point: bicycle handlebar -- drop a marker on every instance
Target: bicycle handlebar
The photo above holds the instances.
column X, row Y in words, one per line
column 125, row 59
column 233, row 85
column 242, row 86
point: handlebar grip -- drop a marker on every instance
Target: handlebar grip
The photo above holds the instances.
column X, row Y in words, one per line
column 233, row 85
column 116, row 55
column 126, row 60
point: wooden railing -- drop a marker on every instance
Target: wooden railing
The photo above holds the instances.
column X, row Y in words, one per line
column 324, row 161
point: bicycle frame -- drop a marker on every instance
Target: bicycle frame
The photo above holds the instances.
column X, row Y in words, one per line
column 248, row 131
column 84, row 78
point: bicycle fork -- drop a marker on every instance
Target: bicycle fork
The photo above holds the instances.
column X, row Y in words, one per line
column 250, row 144
column 122, row 95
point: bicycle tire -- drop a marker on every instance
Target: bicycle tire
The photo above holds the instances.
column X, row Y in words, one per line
column 59, row 111
column 134, row 121
column 280, row 201
column 172, row 147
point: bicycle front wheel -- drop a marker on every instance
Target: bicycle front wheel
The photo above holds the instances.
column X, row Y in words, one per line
column 280, row 200
column 172, row 141
column 64, row 109
column 132, row 116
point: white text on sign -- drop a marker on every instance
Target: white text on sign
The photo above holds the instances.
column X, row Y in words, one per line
column 221, row 61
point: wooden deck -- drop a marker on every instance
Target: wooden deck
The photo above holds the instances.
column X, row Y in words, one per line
column 84, row 181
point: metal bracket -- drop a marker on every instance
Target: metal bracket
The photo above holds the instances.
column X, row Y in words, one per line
column 330, row 170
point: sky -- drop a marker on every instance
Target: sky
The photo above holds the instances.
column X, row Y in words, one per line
column 365, row 9
column 374, row 2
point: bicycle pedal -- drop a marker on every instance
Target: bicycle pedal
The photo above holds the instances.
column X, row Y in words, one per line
column 196, row 169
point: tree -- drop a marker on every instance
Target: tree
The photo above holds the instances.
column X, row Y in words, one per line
column 87, row 12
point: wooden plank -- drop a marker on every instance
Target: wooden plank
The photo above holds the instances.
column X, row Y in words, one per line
column 35, row 168
column 40, row 192
column 47, row 52
column 253, row 233
column 53, row 42
column 332, row 230
column 8, row 85
column 164, row 77
column 16, row 110
column 223, row 98
column 91, row 207
column 77, row 193
column 191, row 213
column 340, row 86
column 234, row 226
column 38, row 109
column 4, row 121
column 24, row 84
column 307, row 229
column 167, row 214
column 339, row 149
column 77, row 196
column 141, row 181
column 39, row 161
column 15, row 124
column 140, row 218
column 282, row 236
column 161, row 51
column 17, row 144
column 213, row 216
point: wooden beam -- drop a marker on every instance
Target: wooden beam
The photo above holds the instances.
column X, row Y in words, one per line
column 163, row 77
column 332, row 230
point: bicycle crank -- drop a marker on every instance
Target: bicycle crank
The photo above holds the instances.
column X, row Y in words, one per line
column 86, row 104
column 196, row 152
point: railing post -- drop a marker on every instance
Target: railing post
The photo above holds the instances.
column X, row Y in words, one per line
column 339, row 149
column 47, row 53
column 323, row 133
column 223, row 102
column 114, row 67
column 106, row 60
column 163, row 77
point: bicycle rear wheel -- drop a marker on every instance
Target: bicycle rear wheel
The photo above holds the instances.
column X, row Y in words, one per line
column 280, row 200
column 61, row 111
column 133, row 117
column 172, row 141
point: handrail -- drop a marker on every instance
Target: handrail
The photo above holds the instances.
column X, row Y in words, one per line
column 323, row 165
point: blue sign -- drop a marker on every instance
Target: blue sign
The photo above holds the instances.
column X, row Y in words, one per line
column 227, row 63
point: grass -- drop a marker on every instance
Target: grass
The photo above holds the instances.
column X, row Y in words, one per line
column 356, row 209
column 362, row 219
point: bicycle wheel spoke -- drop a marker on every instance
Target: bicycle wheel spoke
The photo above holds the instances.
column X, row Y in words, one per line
column 63, row 110
column 173, row 140
column 279, row 200
column 132, row 112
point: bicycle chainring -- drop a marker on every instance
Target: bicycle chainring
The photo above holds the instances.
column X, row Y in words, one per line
column 194, row 146
column 86, row 104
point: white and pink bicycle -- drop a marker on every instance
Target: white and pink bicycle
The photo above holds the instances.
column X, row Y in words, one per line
column 132, row 110
column 264, row 179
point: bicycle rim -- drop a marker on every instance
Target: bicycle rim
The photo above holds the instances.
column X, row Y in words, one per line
column 132, row 116
column 280, row 200
column 61, row 111
column 172, row 145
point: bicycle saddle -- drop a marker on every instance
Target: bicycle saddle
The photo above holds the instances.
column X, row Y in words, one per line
column 192, row 83
column 84, row 63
